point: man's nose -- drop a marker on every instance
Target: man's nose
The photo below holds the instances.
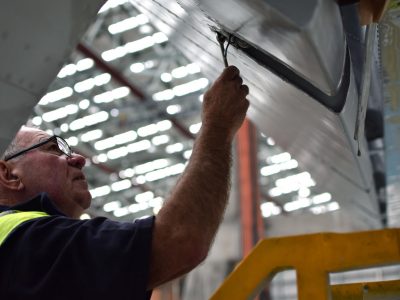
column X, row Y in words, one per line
column 77, row 160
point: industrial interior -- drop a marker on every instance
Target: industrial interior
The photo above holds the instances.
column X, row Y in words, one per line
column 318, row 153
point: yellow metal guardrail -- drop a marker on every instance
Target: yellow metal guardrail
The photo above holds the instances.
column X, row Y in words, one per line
column 313, row 257
column 384, row 290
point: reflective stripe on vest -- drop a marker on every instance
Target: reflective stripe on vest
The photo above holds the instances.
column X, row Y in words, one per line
column 11, row 219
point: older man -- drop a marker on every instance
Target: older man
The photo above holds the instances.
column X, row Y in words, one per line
column 46, row 252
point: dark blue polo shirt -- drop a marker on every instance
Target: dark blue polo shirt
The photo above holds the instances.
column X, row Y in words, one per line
column 57, row 257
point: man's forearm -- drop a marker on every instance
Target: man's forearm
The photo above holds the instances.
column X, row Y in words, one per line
column 199, row 199
column 189, row 220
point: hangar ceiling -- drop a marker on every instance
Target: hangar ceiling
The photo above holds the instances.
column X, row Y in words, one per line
column 130, row 102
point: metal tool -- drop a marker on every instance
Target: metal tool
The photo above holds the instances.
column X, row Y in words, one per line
column 224, row 50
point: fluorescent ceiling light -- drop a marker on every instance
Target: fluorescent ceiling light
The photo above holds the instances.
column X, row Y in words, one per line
column 37, row 120
column 190, row 87
column 276, row 168
column 120, row 212
column 102, row 79
column 89, row 120
column 269, row 209
column 111, row 206
column 128, row 24
column 85, row 216
column 111, row 4
column 64, row 127
column 322, row 198
column 147, row 130
column 174, row 148
column 270, row 141
column 56, row 95
column 121, row 185
column 187, row 154
column 166, row 77
column 179, row 72
column 164, row 95
column 117, row 153
column 92, row 135
column 333, row 206
column 279, row 158
column 84, row 85
column 297, row 204
column 84, row 104
column 137, row 67
column 164, row 125
column 72, row 141
column 166, row 172
column 100, row 191
column 193, row 68
column 159, row 37
column 102, row 158
column 112, row 95
column 71, row 69
column 118, row 139
column 195, row 128
column 324, row 208
column 84, row 64
column 139, row 146
column 151, row 166
column 139, row 45
column 115, row 53
column 295, row 182
column 174, row 109
column 144, row 197
column 67, row 70
column 304, row 192
column 160, row 139
column 134, row 46
column 130, row 172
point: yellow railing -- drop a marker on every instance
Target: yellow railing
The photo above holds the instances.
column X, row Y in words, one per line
column 313, row 257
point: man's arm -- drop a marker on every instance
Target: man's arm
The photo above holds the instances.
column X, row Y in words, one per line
column 185, row 227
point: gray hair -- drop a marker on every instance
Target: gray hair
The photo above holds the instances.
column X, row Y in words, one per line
column 15, row 144
column 12, row 148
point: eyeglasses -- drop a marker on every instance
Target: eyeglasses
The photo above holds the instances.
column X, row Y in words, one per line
column 57, row 140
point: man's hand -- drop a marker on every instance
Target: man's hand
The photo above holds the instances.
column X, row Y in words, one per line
column 225, row 103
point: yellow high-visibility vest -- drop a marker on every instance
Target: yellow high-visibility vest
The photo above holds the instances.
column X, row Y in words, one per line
column 12, row 218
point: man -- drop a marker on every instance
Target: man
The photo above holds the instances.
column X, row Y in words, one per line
column 46, row 252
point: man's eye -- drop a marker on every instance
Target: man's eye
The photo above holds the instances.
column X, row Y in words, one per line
column 53, row 148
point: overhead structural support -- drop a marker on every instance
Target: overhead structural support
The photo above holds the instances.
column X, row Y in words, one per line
column 252, row 228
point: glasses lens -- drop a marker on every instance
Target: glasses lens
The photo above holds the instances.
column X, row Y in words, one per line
column 63, row 145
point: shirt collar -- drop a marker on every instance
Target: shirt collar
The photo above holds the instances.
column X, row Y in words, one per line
column 41, row 202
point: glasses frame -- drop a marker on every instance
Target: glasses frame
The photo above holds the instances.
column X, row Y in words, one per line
column 59, row 140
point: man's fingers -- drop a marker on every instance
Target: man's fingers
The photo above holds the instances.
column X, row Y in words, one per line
column 230, row 73
column 244, row 89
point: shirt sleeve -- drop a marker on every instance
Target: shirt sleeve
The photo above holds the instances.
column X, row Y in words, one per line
column 62, row 258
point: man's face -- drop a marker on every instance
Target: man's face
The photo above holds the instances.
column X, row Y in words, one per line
column 46, row 169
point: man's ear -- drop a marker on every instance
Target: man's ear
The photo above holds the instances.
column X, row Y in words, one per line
column 8, row 178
